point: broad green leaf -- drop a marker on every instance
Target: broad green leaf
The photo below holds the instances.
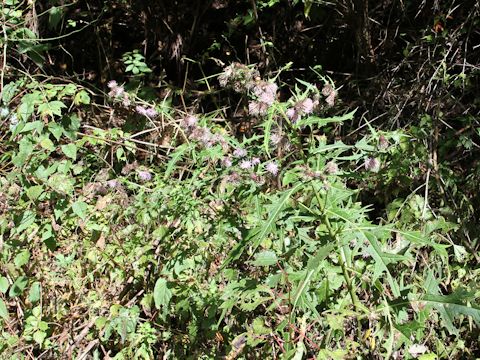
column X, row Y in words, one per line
column 56, row 130
column 34, row 192
column 265, row 258
column 18, row 286
column 28, row 218
column 9, row 91
column 47, row 144
column 34, row 293
column 3, row 310
column 51, row 108
column 3, row 284
column 22, row 258
column 54, row 18
column 161, row 293
column 61, row 183
column 80, row 209
column 70, row 150
column 39, row 336
column 34, row 125
column 82, row 97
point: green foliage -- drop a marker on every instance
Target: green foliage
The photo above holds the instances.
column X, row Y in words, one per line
column 140, row 229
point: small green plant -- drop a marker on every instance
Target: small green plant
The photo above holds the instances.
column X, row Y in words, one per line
column 135, row 63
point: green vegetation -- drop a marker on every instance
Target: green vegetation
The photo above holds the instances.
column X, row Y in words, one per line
column 181, row 182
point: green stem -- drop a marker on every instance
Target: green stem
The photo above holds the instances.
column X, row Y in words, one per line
column 334, row 235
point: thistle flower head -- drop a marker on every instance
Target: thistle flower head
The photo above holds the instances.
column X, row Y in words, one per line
column 116, row 91
column 246, row 164
column 189, row 121
column 112, row 84
column 306, row 106
column 382, row 142
column 257, row 108
column 226, row 162
column 272, row 168
column 141, row 110
column 151, row 113
column 372, row 164
column 144, row 175
column 255, row 161
column 327, row 90
column 331, row 167
column 275, row 139
column 126, row 100
column 331, row 98
column 113, row 183
column 240, row 153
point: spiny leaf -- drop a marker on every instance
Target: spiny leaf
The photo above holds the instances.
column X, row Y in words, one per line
column 258, row 234
column 319, row 122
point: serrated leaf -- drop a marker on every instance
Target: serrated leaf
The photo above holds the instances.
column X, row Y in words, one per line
column 33, row 125
column 175, row 157
column 56, row 130
column 319, row 122
column 82, row 97
column 257, row 235
column 51, row 108
column 70, row 150
column 161, row 293
column 382, row 260
column 265, row 258
column 454, row 305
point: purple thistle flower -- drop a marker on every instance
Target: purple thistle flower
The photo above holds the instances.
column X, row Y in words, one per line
column 306, row 106
column 257, row 108
column 267, row 98
column 246, row 164
column 112, row 84
column 290, row 113
column 234, row 178
column 118, row 91
column 327, row 90
column 126, row 100
column 331, row 167
column 372, row 164
column 151, row 113
column 144, row 175
column 112, row 183
column 189, row 121
column 272, row 168
column 255, row 161
column 226, row 162
column 275, row 139
column 141, row 110
column 240, row 153
column 331, row 98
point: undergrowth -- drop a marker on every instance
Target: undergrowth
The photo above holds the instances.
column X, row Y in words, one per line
column 145, row 227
